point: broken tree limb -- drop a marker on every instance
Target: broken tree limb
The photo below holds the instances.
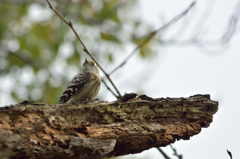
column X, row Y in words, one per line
column 101, row 129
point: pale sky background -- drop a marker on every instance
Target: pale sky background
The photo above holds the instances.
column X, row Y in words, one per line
column 185, row 70
column 181, row 71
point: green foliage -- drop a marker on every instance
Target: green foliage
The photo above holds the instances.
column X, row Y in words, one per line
column 109, row 37
column 32, row 36
column 146, row 50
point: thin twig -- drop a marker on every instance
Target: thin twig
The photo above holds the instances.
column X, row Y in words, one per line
column 175, row 152
column 206, row 44
column 230, row 154
column 163, row 153
column 69, row 23
column 109, row 88
column 151, row 35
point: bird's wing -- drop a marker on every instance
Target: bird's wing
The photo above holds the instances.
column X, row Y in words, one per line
column 75, row 85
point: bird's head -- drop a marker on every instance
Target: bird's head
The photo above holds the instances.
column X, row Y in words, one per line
column 89, row 66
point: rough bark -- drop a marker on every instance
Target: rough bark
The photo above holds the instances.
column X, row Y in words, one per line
column 101, row 129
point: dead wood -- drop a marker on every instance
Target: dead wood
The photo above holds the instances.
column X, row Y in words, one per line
column 101, row 129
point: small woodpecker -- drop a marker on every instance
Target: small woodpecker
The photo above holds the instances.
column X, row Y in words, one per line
column 84, row 86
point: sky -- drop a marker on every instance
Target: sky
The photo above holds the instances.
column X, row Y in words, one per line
column 182, row 70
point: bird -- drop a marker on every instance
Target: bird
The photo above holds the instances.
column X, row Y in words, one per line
column 84, row 86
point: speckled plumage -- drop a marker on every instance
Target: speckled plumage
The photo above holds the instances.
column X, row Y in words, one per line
column 83, row 86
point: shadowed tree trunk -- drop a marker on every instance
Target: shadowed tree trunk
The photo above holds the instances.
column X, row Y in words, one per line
column 101, row 129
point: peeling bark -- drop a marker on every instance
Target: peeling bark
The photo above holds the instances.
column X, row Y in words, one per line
column 101, row 129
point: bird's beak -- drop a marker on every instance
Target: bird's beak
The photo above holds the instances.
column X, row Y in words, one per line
column 86, row 61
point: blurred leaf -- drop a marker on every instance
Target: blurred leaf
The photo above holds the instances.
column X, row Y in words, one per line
column 137, row 23
column 136, row 39
column 110, row 58
column 74, row 60
column 14, row 60
column 109, row 11
column 115, row 18
column 109, row 37
column 145, row 51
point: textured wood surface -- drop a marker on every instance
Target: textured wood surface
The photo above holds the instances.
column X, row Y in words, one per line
column 101, row 129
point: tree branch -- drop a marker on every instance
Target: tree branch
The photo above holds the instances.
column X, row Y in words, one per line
column 230, row 154
column 100, row 130
column 175, row 152
column 69, row 23
column 163, row 153
column 109, row 88
column 217, row 46
column 151, row 35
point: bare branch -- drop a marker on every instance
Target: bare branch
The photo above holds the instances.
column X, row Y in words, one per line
column 231, row 29
column 230, row 154
column 69, row 23
column 109, row 88
column 151, row 35
column 175, row 152
column 163, row 153
column 216, row 45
